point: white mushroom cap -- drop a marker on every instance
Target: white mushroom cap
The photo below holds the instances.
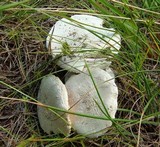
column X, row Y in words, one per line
column 53, row 92
column 73, row 64
column 83, row 37
column 83, row 98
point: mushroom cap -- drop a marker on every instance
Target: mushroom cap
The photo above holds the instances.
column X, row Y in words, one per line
column 53, row 92
column 83, row 37
column 83, row 98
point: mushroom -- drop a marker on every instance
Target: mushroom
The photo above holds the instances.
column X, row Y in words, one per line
column 83, row 98
column 75, row 43
column 83, row 37
column 53, row 92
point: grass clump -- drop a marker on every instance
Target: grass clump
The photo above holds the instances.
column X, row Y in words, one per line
column 24, row 60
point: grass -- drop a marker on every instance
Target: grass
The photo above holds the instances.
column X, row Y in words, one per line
column 25, row 60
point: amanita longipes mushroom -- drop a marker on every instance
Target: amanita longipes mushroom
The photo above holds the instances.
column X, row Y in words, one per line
column 79, row 44
column 53, row 92
column 82, row 37
column 84, row 98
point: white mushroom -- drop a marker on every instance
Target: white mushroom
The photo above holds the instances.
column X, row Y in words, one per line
column 75, row 43
column 83, row 98
column 52, row 92
column 82, row 37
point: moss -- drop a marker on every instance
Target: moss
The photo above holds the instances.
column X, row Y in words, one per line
column 66, row 50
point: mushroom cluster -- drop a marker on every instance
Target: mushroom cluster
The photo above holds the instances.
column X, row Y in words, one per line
column 80, row 45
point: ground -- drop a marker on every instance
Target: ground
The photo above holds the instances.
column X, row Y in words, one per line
column 24, row 60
